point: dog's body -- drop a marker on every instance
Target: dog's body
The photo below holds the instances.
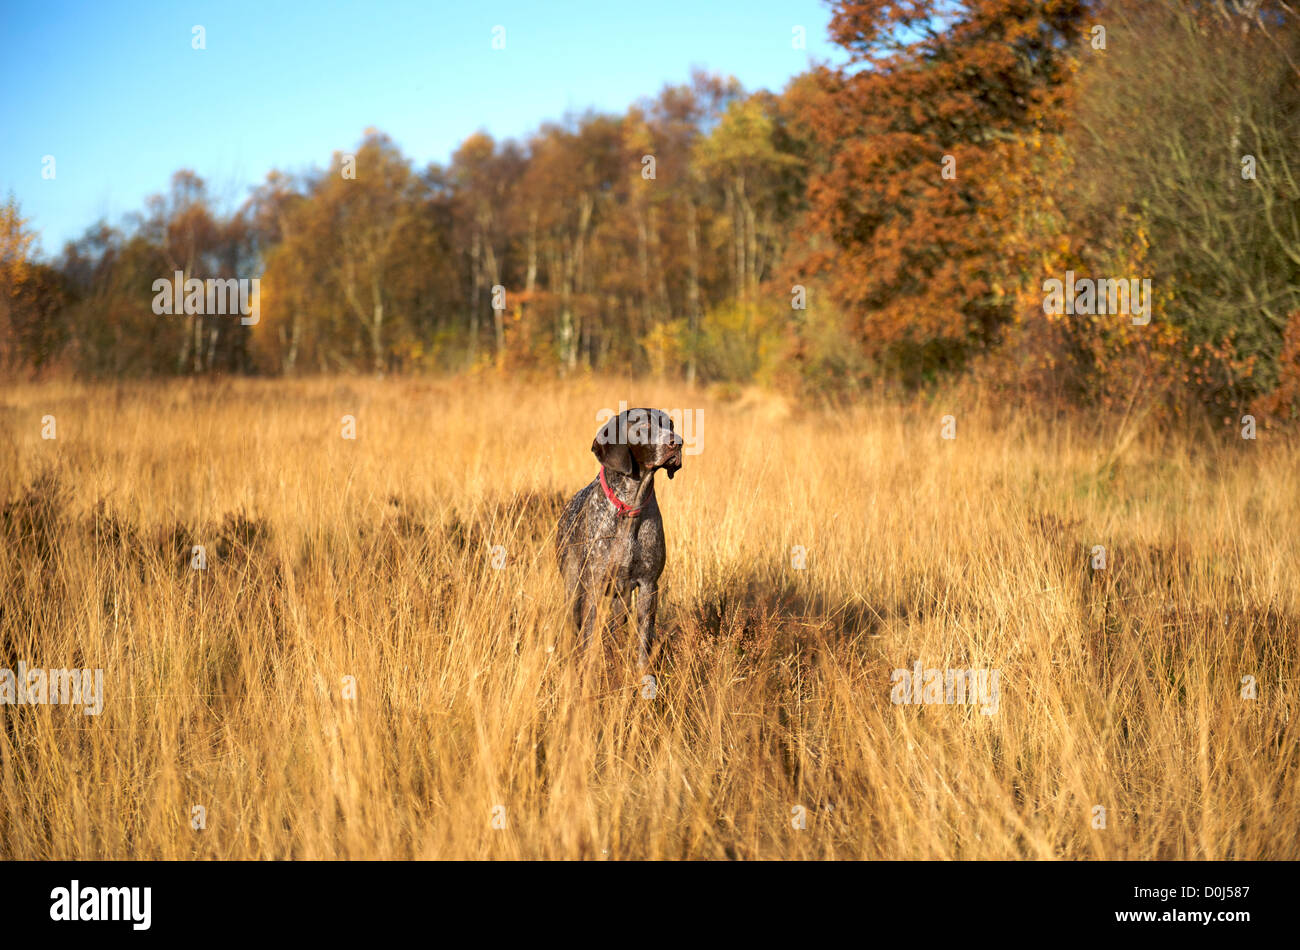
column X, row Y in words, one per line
column 610, row 539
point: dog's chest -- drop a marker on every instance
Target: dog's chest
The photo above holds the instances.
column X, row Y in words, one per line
column 634, row 547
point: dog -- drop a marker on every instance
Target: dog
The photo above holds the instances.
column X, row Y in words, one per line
column 610, row 539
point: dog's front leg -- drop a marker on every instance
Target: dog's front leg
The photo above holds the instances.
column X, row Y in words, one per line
column 620, row 612
column 647, row 597
column 590, row 604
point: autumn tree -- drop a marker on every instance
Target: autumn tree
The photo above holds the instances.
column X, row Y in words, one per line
column 911, row 125
column 572, row 171
column 349, row 266
column 32, row 297
column 484, row 178
column 1205, row 167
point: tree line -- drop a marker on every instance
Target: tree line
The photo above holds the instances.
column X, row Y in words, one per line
column 890, row 221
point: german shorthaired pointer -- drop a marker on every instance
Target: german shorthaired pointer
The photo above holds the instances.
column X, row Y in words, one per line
column 611, row 538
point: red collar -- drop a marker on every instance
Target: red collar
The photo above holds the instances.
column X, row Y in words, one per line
column 623, row 509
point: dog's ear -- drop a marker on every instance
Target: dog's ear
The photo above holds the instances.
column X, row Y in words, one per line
column 609, row 451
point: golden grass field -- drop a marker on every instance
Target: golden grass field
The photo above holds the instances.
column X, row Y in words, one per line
column 371, row 558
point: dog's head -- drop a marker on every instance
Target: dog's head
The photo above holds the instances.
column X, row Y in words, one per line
column 638, row 441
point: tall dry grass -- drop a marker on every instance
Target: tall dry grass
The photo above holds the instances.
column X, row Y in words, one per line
column 371, row 559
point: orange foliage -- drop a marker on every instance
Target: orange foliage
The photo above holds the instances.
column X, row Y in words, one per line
column 916, row 145
column 1282, row 405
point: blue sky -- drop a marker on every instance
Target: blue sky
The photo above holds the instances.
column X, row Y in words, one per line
column 115, row 92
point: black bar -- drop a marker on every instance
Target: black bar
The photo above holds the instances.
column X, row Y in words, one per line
column 917, row 901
